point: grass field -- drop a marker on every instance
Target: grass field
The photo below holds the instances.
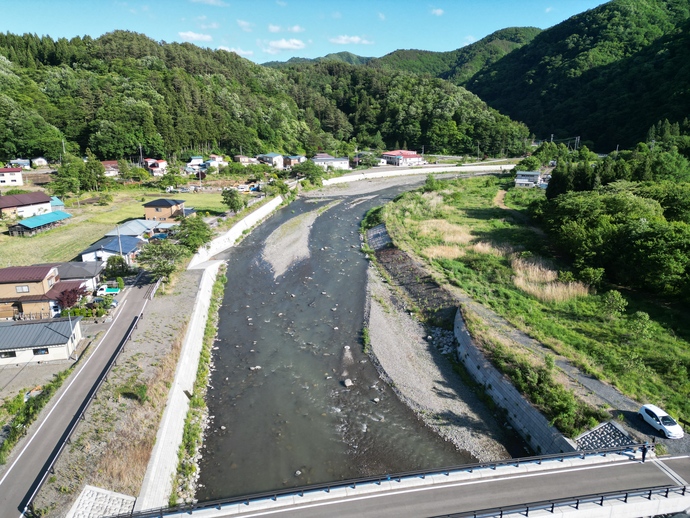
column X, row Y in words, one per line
column 503, row 263
column 89, row 223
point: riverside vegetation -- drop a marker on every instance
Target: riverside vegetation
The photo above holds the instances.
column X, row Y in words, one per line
column 635, row 341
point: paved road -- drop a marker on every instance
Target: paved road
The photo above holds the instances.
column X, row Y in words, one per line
column 481, row 493
column 25, row 466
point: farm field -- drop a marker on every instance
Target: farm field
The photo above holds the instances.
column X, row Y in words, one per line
column 89, row 223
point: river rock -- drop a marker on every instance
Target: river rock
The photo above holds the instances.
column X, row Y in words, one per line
column 348, row 383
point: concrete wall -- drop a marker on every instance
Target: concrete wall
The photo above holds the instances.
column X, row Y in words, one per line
column 420, row 170
column 228, row 239
column 527, row 420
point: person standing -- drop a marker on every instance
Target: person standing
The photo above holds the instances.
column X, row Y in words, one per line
column 644, row 451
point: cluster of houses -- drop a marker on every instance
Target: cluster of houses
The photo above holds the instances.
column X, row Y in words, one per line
column 30, row 327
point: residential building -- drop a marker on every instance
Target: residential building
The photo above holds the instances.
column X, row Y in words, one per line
column 89, row 273
column 24, row 205
column 272, row 159
column 139, row 228
column 127, row 246
column 164, row 209
column 245, row 160
column 38, row 341
column 11, row 177
column 402, row 157
column 156, row 167
column 112, row 168
column 289, row 161
column 332, row 162
column 527, row 179
column 196, row 160
column 37, row 224
column 24, row 163
column 31, row 292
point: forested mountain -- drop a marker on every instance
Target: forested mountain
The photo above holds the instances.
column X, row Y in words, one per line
column 458, row 65
column 604, row 75
column 343, row 57
column 123, row 90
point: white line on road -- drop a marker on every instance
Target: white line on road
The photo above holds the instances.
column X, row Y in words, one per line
column 26, row 446
column 669, row 472
column 338, row 500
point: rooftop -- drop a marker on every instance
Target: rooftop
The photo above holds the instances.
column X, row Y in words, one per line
column 24, row 273
column 163, row 202
column 112, row 244
column 44, row 219
column 19, row 200
column 36, row 333
column 134, row 227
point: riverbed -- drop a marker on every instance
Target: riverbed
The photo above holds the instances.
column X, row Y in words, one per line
column 289, row 338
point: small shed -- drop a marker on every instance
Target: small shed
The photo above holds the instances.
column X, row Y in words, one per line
column 37, row 341
column 37, row 224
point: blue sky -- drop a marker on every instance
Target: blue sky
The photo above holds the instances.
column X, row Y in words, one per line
column 266, row 30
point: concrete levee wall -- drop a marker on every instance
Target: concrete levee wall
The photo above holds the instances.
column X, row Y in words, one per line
column 231, row 236
column 527, row 420
column 420, row 170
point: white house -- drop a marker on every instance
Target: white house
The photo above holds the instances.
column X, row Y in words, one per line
column 11, row 177
column 403, row 157
column 527, row 179
column 272, row 159
column 37, row 341
column 39, row 162
column 332, row 162
column 25, row 205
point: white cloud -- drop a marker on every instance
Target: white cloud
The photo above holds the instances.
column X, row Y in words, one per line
column 295, row 28
column 281, row 3
column 194, row 36
column 276, row 46
column 350, row 40
column 273, row 28
column 469, row 39
column 237, row 51
column 212, row 25
column 437, row 12
column 245, row 26
column 217, row 3
column 382, row 16
column 548, row 9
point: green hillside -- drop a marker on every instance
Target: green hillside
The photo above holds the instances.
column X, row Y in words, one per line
column 458, row 65
column 123, row 90
column 343, row 57
column 605, row 75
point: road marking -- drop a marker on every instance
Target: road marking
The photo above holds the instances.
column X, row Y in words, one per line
column 668, row 471
column 26, row 446
column 384, row 493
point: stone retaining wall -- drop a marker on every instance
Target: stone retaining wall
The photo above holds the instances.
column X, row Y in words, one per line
column 527, row 420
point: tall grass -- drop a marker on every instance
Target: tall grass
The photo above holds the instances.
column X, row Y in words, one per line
column 536, row 277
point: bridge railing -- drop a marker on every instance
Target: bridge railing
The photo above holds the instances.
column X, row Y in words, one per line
column 353, row 483
column 574, row 503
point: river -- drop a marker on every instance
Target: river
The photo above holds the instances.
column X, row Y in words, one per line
column 281, row 414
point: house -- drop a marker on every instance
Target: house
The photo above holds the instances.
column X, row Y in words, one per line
column 39, row 162
column 37, row 224
column 11, row 176
column 156, row 167
column 23, row 163
column 111, row 168
column 24, row 205
column 272, row 159
column 164, row 209
column 402, row 157
column 291, row 160
column 140, row 228
column 527, row 179
column 334, row 163
column 196, row 160
column 126, row 246
column 31, row 292
column 38, row 341
column 89, row 273
column 245, row 160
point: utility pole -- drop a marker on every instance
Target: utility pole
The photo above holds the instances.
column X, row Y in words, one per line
column 141, row 157
column 552, row 137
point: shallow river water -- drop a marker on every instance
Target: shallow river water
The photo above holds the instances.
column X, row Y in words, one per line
column 293, row 422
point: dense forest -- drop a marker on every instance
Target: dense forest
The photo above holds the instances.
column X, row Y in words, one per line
column 123, row 90
column 604, row 75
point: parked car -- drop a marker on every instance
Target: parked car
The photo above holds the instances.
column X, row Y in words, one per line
column 661, row 421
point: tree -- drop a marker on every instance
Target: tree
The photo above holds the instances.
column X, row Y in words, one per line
column 234, row 200
column 70, row 297
column 193, row 233
column 170, row 179
column 69, row 176
column 115, row 267
column 613, row 303
column 310, row 170
column 160, row 258
column 93, row 173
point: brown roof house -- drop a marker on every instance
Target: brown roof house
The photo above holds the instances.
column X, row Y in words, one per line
column 31, row 292
column 164, row 209
column 24, row 205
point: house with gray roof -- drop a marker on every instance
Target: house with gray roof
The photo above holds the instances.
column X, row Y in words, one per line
column 127, row 246
column 37, row 341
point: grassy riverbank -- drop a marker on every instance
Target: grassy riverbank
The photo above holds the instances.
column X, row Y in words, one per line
column 499, row 260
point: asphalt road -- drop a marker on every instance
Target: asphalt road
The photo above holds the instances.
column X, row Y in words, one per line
column 23, row 471
column 486, row 493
